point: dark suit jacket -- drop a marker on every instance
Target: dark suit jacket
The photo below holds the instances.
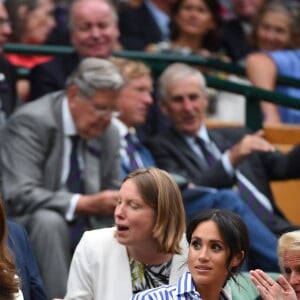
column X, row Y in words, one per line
column 18, row 241
column 234, row 40
column 7, row 86
column 172, row 153
column 51, row 76
column 138, row 28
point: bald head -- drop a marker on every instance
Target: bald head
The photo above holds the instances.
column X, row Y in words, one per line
column 93, row 27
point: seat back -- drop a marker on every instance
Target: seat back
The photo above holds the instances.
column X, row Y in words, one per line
column 286, row 192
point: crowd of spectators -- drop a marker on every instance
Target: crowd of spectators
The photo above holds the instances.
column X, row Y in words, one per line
column 74, row 97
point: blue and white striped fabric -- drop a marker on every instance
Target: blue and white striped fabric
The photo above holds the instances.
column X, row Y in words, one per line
column 183, row 290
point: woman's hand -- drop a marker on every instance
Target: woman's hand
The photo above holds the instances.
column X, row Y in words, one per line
column 270, row 289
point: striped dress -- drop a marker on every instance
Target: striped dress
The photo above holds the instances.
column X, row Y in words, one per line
column 183, row 290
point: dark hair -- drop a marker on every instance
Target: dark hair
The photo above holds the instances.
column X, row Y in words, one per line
column 9, row 283
column 233, row 230
column 17, row 23
column 210, row 39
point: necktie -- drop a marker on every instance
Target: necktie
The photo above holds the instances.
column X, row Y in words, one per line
column 251, row 200
column 208, row 155
column 75, row 181
column 132, row 147
column 246, row 194
column 75, row 184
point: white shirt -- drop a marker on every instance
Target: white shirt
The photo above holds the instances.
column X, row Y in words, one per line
column 69, row 129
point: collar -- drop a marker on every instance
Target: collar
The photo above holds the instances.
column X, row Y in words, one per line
column 185, row 285
column 69, row 127
column 122, row 128
column 202, row 133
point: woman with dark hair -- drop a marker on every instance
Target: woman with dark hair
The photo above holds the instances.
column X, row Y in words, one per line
column 9, row 283
column 218, row 244
column 194, row 28
column 31, row 22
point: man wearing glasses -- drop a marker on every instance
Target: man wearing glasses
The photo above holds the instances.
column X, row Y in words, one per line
column 60, row 166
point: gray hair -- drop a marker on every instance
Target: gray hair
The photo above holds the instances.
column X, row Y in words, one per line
column 113, row 10
column 174, row 73
column 94, row 74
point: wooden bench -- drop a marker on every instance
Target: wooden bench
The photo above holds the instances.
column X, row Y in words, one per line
column 284, row 137
column 286, row 192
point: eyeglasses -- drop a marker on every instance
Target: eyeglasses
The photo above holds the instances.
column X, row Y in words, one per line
column 99, row 111
column 105, row 112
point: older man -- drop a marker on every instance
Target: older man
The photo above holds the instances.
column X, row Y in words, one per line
column 220, row 158
column 62, row 156
column 94, row 33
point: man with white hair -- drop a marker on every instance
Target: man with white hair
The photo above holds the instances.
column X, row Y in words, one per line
column 60, row 166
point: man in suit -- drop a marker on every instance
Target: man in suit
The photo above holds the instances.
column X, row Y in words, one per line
column 62, row 156
column 93, row 32
column 236, row 31
column 220, row 158
column 8, row 98
column 134, row 35
column 133, row 104
column 18, row 241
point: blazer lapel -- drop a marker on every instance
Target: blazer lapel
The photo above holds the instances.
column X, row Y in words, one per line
column 218, row 138
column 176, row 138
column 54, row 141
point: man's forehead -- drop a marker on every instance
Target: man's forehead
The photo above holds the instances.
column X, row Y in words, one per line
column 96, row 5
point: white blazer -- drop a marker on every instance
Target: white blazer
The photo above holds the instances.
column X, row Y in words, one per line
column 100, row 268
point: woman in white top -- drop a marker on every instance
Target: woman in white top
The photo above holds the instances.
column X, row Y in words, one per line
column 146, row 248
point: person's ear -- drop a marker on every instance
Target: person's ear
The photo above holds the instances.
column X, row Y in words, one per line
column 237, row 259
column 72, row 92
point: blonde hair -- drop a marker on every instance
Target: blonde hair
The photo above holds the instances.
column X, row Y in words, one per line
column 131, row 69
column 289, row 241
column 9, row 283
column 160, row 191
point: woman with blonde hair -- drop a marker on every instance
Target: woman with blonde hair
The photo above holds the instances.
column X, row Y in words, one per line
column 218, row 244
column 145, row 249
